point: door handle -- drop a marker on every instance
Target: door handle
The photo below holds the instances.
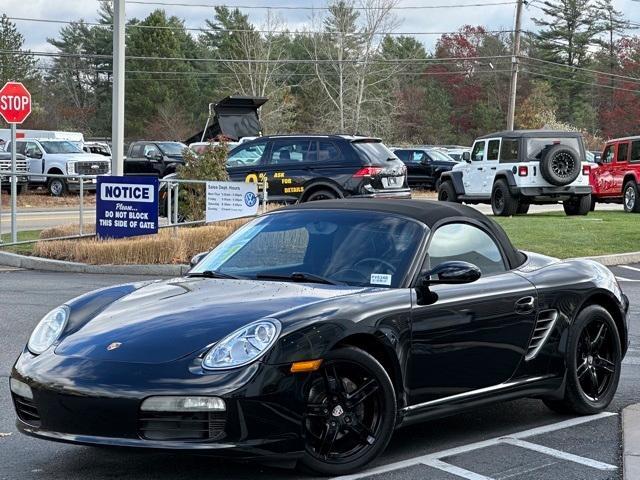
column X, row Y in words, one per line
column 525, row 305
column 493, row 168
column 480, row 168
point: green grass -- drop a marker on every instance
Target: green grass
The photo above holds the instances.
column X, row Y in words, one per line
column 24, row 249
column 555, row 234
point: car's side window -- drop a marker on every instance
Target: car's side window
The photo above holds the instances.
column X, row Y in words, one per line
column 477, row 155
column 32, row 150
column 136, row 151
column 419, row 156
column 151, row 151
column 635, row 151
column 509, row 151
column 327, row 152
column 607, row 156
column 493, row 149
column 290, row 152
column 404, row 155
column 623, row 152
column 248, row 155
column 467, row 243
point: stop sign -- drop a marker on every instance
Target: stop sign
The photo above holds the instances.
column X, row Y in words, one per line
column 15, row 102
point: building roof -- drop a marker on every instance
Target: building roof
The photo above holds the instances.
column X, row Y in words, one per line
column 427, row 212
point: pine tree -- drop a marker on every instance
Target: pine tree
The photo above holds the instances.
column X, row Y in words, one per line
column 14, row 66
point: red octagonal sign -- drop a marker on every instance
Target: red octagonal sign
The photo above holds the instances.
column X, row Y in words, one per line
column 15, row 102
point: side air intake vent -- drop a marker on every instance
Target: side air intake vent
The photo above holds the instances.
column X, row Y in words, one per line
column 544, row 325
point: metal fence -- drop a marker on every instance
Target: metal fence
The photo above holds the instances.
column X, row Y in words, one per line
column 170, row 185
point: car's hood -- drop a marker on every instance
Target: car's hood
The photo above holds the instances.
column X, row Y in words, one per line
column 164, row 321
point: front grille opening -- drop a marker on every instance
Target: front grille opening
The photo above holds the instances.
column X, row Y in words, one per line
column 27, row 411
column 182, row 426
column 544, row 325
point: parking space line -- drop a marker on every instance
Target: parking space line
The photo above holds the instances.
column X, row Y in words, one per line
column 431, row 457
column 624, row 279
column 628, row 267
column 452, row 469
column 560, row 454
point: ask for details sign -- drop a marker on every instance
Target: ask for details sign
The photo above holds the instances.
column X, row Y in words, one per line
column 227, row 200
column 126, row 206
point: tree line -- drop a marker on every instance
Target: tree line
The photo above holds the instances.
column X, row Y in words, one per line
column 346, row 72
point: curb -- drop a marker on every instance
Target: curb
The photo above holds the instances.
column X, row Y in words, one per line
column 617, row 258
column 631, row 442
column 45, row 264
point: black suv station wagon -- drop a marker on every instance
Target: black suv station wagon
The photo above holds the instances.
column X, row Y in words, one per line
column 301, row 168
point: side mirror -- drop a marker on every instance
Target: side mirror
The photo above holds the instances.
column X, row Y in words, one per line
column 197, row 258
column 466, row 156
column 452, row 272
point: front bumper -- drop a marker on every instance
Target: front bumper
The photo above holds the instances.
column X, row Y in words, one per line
column 88, row 402
column 6, row 179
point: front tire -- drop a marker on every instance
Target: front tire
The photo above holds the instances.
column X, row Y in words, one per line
column 351, row 412
column 57, row 187
column 593, row 362
column 630, row 198
column 503, row 203
column 577, row 205
column 446, row 192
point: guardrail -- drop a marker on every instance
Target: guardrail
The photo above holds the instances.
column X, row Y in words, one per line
column 171, row 185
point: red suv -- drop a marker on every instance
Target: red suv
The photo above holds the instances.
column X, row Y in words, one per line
column 615, row 180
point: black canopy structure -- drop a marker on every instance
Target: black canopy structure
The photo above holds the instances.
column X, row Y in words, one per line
column 234, row 117
column 427, row 212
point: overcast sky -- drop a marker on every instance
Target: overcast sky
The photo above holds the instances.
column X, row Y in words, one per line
column 495, row 17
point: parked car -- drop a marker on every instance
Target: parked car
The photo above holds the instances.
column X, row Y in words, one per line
column 199, row 147
column 100, row 148
column 155, row 158
column 514, row 169
column 22, row 169
column 424, row 165
column 301, row 168
column 60, row 157
column 456, row 152
column 615, row 180
column 596, row 155
column 315, row 331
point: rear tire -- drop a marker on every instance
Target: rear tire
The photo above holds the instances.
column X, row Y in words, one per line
column 593, row 204
column 348, row 422
column 446, row 192
column 630, row 198
column 321, row 195
column 577, row 205
column 503, row 203
column 593, row 362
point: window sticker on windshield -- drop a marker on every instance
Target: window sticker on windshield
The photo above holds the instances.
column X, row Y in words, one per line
column 380, row 279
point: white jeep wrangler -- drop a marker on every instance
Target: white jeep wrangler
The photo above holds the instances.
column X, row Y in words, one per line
column 514, row 169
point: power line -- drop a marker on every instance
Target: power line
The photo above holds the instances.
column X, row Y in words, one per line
column 597, row 72
column 290, row 7
column 266, row 61
column 232, row 30
column 611, row 87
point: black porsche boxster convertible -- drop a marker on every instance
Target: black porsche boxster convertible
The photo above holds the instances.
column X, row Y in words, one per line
column 314, row 331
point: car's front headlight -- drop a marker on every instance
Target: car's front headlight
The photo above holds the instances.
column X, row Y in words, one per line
column 71, row 168
column 48, row 330
column 243, row 346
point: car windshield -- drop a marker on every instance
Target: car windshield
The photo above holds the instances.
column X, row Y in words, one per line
column 60, row 147
column 441, row 156
column 456, row 156
column 355, row 248
column 172, row 148
column 537, row 147
column 374, row 152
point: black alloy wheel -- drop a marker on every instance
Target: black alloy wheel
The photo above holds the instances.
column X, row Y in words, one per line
column 593, row 365
column 350, row 414
column 503, row 203
column 321, row 195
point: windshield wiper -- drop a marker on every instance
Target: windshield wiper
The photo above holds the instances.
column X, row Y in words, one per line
column 213, row 274
column 299, row 277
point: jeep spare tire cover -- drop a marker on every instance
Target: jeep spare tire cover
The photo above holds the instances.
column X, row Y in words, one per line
column 560, row 165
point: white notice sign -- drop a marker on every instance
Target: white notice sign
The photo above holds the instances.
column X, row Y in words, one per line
column 227, row 200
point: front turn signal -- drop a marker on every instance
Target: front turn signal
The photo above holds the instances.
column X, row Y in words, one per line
column 306, row 366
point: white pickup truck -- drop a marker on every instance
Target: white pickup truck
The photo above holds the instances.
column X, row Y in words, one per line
column 51, row 156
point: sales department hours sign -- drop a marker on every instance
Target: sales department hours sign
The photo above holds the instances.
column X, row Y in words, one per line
column 126, row 206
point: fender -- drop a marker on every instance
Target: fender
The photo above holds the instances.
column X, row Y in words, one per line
column 509, row 177
column 456, row 179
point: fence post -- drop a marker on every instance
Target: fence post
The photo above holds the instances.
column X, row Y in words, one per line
column 81, row 205
column 265, row 186
column 1, row 209
column 176, row 203
column 169, row 203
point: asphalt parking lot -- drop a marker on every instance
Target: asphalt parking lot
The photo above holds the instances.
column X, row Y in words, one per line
column 520, row 440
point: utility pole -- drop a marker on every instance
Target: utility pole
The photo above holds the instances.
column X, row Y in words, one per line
column 514, row 66
column 117, row 115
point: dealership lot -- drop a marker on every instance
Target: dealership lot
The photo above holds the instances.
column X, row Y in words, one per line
column 586, row 448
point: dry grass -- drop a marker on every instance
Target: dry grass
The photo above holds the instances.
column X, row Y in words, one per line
column 41, row 199
column 424, row 194
column 165, row 247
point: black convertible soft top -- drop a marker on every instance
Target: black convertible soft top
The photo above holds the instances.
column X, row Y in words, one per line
column 427, row 212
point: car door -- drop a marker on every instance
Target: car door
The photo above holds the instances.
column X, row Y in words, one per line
column 474, row 170
column 620, row 166
column 424, row 166
column 490, row 168
column 134, row 162
column 287, row 167
column 245, row 161
column 35, row 159
column 473, row 335
column 151, row 162
column 605, row 178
